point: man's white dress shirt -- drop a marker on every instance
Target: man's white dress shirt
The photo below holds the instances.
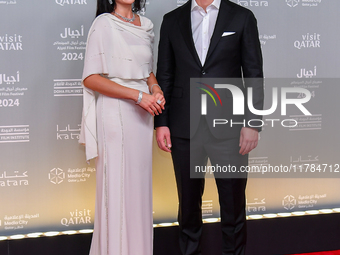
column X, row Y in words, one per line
column 203, row 25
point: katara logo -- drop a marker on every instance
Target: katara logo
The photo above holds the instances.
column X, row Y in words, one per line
column 289, row 202
column 204, row 97
column 292, row 3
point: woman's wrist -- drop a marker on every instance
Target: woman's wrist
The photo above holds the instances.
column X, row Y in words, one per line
column 155, row 87
column 140, row 96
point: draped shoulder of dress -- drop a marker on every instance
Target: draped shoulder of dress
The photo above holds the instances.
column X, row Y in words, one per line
column 110, row 52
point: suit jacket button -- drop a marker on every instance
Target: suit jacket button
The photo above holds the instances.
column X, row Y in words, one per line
column 203, row 72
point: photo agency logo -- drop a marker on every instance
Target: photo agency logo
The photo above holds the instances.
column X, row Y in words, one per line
column 204, row 97
column 292, row 3
column 238, row 104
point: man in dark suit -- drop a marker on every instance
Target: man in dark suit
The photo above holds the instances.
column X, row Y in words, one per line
column 208, row 39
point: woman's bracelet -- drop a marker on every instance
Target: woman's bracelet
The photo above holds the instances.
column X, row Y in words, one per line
column 153, row 86
column 140, row 96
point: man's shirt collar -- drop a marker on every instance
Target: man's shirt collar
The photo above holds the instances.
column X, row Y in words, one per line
column 215, row 3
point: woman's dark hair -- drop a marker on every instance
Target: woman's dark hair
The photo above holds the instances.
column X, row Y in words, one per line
column 103, row 6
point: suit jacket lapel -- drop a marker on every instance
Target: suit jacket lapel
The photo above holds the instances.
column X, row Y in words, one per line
column 225, row 16
column 185, row 27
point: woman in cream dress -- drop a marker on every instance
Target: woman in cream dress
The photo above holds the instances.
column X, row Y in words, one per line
column 117, row 128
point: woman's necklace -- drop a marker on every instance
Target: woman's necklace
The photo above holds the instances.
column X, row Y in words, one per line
column 126, row 19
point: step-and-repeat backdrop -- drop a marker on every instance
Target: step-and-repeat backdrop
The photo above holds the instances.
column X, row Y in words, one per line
column 45, row 183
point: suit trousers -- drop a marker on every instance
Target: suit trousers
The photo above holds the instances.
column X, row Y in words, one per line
column 186, row 155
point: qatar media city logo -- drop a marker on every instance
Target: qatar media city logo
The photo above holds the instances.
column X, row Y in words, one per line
column 292, row 3
column 289, row 202
column 238, row 99
column 56, row 175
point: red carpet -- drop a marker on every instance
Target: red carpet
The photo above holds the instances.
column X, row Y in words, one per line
column 321, row 253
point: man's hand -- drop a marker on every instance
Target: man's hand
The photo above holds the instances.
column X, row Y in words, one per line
column 248, row 140
column 163, row 138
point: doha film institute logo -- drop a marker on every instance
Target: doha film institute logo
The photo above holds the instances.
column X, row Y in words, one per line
column 289, row 202
column 56, row 176
column 292, row 3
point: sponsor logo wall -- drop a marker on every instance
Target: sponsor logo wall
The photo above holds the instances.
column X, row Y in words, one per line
column 45, row 182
